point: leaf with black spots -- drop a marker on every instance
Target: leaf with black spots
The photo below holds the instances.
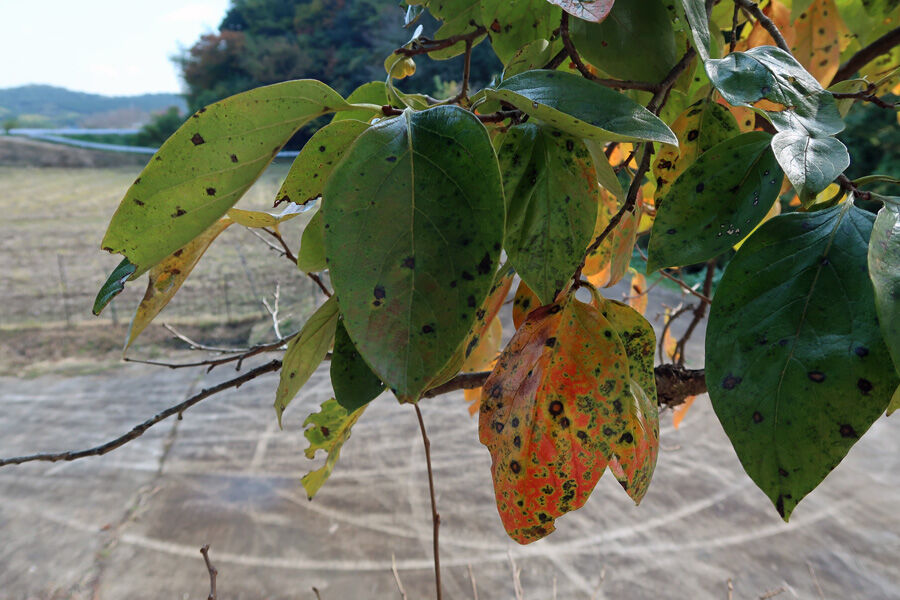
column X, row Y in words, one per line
column 702, row 126
column 550, row 412
column 796, row 366
column 208, row 164
column 636, row 450
column 413, row 230
column 551, row 205
column 581, row 107
column 318, row 158
column 523, row 303
column 716, row 202
column 511, row 25
column 167, row 276
column 327, row 430
column 884, row 270
column 305, row 352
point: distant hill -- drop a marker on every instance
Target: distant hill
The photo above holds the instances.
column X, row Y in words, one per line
column 49, row 106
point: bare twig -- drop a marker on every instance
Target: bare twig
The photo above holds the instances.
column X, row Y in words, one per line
column 287, row 250
column 240, row 356
column 662, row 336
column 318, row 281
column 474, row 585
column 734, row 27
column 425, row 45
column 882, row 45
column 678, row 281
column 766, row 22
column 435, row 517
column 772, row 593
column 397, row 577
column 867, row 95
column 212, row 572
column 699, row 313
column 467, row 69
column 730, row 589
column 517, row 581
column 815, row 579
column 848, row 186
column 272, row 309
column 316, row 592
column 197, row 345
column 139, row 430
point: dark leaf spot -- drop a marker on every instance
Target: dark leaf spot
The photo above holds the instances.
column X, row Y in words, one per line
column 847, row 431
column 379, row 291
column 757, row 417
column 197, row 139
column 730, row 382
column 817, row 376
column 864, row 385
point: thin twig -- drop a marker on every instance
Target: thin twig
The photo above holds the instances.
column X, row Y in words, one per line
column 212, row 572
column 425, row 45
column 730, row 587
column 815, row 579
column 139, row 430
column 272, row 246
column 734, row 25
column 287, row 250
column 766, row 22
column 517, row 582
column 240, row 356
column 318, row 281
column 882, row 45
column 662, row 336
column 197, row 345
column 435, row 517
column 272, row 309
column 472, row 579
column 680, row 283
column 467, row 69
column 866, row 95
column 397, row 577
column 699, row 313
column 316, row 592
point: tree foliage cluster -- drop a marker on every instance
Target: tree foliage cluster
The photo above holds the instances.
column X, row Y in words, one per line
column 428, row 212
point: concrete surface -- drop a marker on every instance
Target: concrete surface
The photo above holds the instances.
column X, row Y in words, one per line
column 130, row 524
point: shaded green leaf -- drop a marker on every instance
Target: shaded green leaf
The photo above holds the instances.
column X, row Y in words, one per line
column 306, row 179
column 796, row 365
column 312, row 246
column 208, row 164
column 413, row 231
column 511, row 25
column 715, row 203
column 884, row 270
column 610, row 45
column 581, row 107
column 551, row 205
column 354, row 383
column 327, row 430
column 114, row 285
column 304, row 353
column 810, row 163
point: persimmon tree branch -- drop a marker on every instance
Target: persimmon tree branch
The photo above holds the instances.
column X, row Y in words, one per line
column 867, row 95
column 882, row 45
column 766, row 22
column 435, row 516
column 139, row 430
column 425, row 45
column 213, row 572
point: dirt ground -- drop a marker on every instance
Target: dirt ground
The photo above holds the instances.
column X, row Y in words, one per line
column 130, row 524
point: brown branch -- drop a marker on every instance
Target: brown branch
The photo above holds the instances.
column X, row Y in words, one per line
column 867, row 95
column 734, row 26
column 287, row 251
column 851, row 188
column 557, row 60
column 766, row 22
column 670, row 379
column 213, row 572
column 139, row 430
column 425, row 45
column 215, row 362
column 435, row 517
column 699, row 313
column 318, row 281
column 882, row 45
column 467, row 70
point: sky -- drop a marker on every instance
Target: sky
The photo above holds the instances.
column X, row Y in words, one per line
column 112, row 47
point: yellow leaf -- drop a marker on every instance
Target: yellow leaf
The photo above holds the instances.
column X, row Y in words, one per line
column 166, row 278
column 258, row 219
column 607, row 265
column 524, row 302
column 820, row 33
column 758, row 36
column 486, row 350
column 681, row 410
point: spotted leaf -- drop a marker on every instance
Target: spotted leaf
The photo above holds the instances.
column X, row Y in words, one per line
column 523, row 303
column 820, row 38
column 353, row 382
column 310, row 170
column 511, row 25
column 636, row 450
column 549, row 413
column 413, row 230
column 167, row 276
column 327, row 430
column 699, row 128
column 208, row 164
column 796, row 365
column 551, row 205
column 716, row 202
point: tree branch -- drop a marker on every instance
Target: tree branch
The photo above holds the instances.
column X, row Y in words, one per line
column 139, row 430
column 435, row 517
column 213, row 572
column 882, row 45
column 766, row 22
column 426, row 45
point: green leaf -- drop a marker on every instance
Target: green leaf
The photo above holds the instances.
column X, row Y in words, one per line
column 610, row 45
column 551, row 205
column 895, row 402
column 459, row 17
column 796, row 365
column 327, row 430
column 511, row 25
column 884, row 270
column 306, row 179
column 581, row 107
column 533, row 55
column 810, row 163
column 606, row 175
column 374, row 92
column 114, row 285
column 208, row 164
column 715, row 203
column 312, row 246
column 354, row 383
column 413, row 230
column 304, row 353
